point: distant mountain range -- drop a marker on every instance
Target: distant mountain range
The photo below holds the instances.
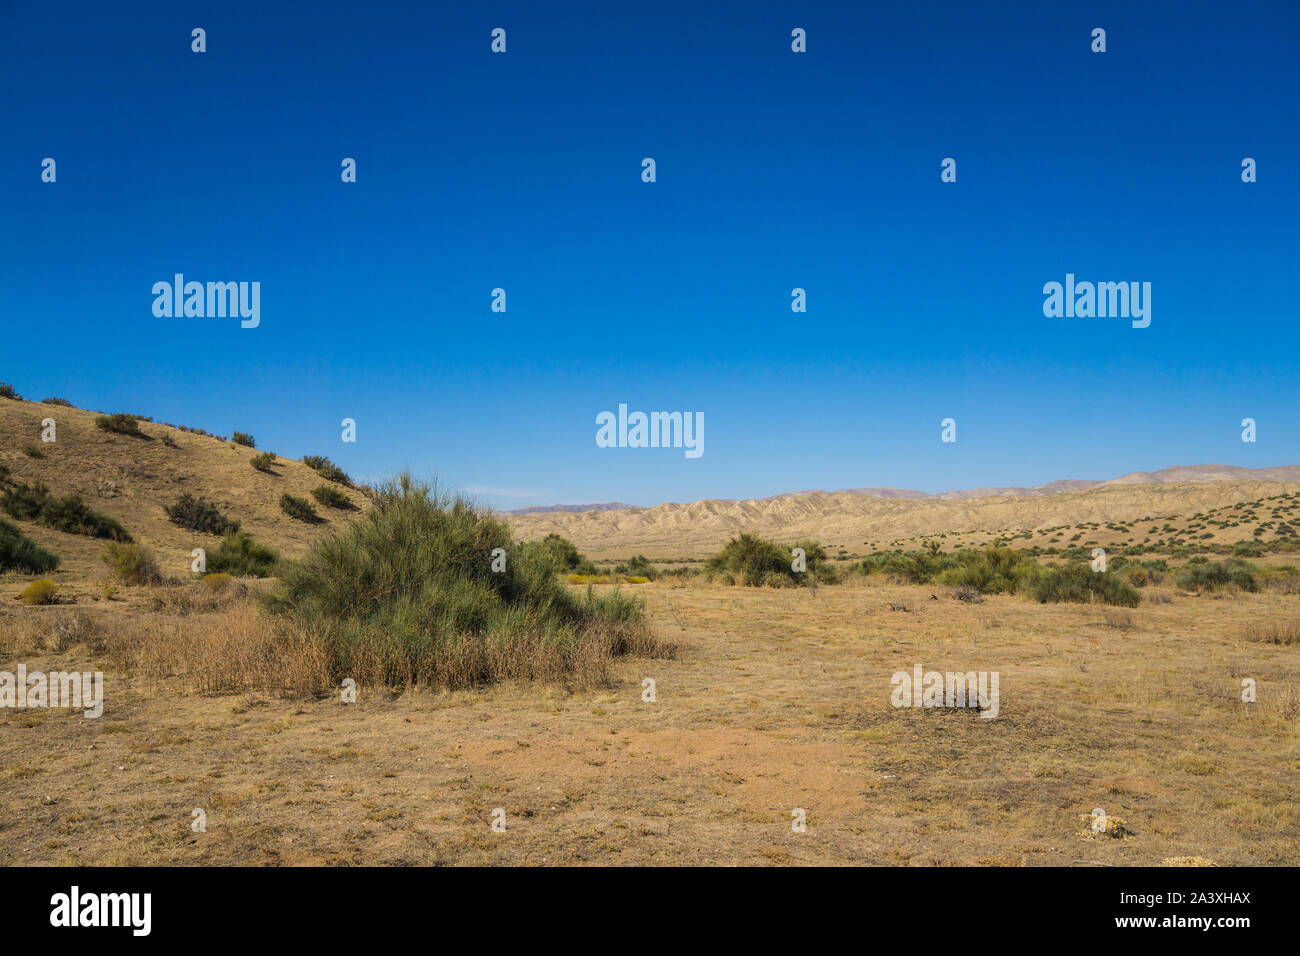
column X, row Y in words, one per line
column 1178, row 473
column 1175, row 501
column 571, row 509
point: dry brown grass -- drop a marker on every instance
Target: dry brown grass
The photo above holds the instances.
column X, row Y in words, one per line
column 778, row 700
column 1274, row 632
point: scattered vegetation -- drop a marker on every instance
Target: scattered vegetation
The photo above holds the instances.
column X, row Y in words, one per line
column 7, row 391
column 1002, row 570
column 199, row 514
column 33, row 450
column 56, row 401
column 243, row 438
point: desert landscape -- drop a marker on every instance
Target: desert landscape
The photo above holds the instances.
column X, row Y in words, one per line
column 697, row 712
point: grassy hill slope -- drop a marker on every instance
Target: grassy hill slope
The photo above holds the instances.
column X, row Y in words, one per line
column 131, row 479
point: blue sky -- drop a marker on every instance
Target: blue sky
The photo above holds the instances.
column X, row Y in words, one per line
column 775, row 170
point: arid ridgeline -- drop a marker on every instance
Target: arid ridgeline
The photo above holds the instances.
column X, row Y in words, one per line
column 132, row 479
column 858, row 523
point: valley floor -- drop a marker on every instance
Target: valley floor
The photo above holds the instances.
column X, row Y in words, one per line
column 778, row 701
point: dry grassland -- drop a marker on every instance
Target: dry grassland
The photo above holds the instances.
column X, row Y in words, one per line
column 776, row 700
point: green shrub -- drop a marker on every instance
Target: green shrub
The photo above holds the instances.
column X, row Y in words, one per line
column 1214, row 576
column 217, row 581
column 327, row 469
column 20, row 553
column 199, row 514
column 130, row 564
column 69, row 514
column 43, row 591
column 749, row 559
column 33, row 450
column 240, row 555
column 638, row 567
column 299, row 508
column 263, row 461
column 995, row 570
column 1247, row 549
column 1078, row 583
column 120, row 424
column 243, row 438
column 406, row 593
column 56, row 401
column 565, row 553
column 7, row 391
column 331, row 497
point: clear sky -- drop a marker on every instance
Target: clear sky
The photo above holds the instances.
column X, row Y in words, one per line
column 775, row 170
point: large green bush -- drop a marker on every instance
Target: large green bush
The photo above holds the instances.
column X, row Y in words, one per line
column 407, row 593
column 1080, row 584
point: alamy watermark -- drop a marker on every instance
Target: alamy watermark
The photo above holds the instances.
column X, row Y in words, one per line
column 77, row 690
column 653, row 430
column 1102, row 300
column 215, row 300
column 933, row 689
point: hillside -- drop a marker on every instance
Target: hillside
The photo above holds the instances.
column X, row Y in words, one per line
column 1212, row 511
column 132, row 479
